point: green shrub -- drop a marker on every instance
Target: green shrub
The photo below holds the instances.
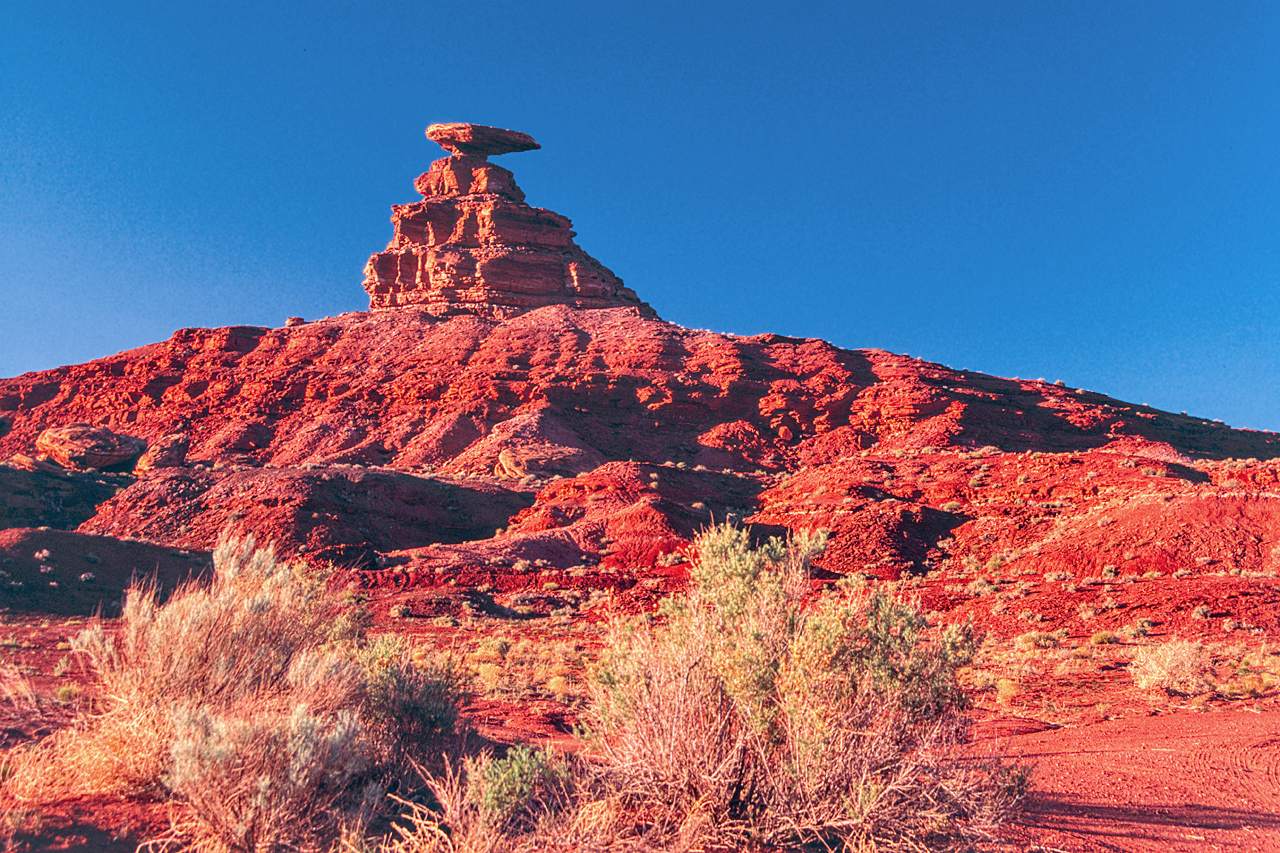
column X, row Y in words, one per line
column 408, row 704
column 834, row 721
column 507, row 789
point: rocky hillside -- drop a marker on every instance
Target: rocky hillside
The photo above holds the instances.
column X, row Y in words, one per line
column 510, row 415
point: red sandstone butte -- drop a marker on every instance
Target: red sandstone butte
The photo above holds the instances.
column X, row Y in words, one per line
column 472, row 245
column 496, row 416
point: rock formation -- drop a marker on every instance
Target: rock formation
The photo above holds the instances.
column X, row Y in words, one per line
column 526, row 451
column 472, row 245
column 476, row 140
column 82, row 446
column 168, row 451
column 588, row 415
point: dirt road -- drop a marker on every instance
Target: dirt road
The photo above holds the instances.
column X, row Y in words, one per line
column 1160, row 784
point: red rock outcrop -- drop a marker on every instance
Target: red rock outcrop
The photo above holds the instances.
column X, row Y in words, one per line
column 82, row 446
column 169, row 451
column 340, row 514
column 472, row 245
column 465, row 421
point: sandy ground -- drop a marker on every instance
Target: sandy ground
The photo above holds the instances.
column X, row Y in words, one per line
column 1186, row 781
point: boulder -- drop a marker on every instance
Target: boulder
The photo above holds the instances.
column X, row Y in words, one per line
column 170, row 451
column 81, row 446
column 23, row 462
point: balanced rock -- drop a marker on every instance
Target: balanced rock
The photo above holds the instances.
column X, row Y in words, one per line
column 83, row 446
column 477, row 140
column 473, row 245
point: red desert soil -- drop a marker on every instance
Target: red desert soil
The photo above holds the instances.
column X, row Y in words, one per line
column 1183, row 782
column 512, row 447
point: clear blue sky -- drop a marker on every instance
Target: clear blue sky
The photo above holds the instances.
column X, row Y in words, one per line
column 1086, row 191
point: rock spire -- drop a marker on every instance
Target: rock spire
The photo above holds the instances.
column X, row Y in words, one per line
column 473, row 245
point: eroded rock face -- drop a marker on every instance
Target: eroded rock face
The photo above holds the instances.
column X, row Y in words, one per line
column 524, row 421
column 881, row 449
column 81, row 446
column 472, row 245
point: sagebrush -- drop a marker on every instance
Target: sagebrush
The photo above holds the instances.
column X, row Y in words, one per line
column 751, row 711
column 754, row 712
column 254, row 701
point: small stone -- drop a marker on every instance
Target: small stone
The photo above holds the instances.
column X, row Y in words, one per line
column 294, row 321
column 23, row 462
column 477, row 140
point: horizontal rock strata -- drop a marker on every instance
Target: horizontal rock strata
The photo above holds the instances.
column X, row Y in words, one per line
column 473, row 245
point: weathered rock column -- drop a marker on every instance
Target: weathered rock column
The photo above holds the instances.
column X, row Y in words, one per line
column 472, row 245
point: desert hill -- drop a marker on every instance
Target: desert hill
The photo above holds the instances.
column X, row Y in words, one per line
column 509, row 400
column 510, row 446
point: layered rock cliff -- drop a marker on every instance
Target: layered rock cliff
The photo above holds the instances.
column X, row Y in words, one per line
column 473, row 245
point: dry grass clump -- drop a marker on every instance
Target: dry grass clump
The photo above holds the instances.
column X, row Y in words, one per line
column 1178, row 666
column 749, row 716
column 503, row 666
column 525, row 800
column 254, row 701
column 1253, row 675
column 1036, row 640
column 981, row 586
